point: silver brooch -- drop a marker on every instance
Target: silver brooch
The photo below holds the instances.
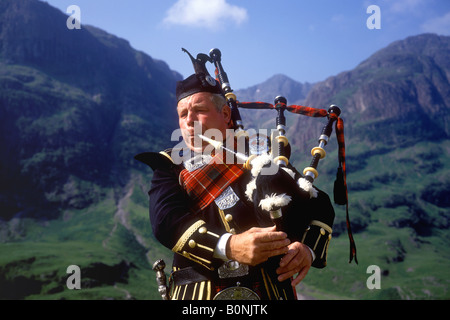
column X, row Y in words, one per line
column 232, row 269
column 227, row 199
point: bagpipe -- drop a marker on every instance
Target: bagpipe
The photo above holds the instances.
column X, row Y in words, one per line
column 275, row 186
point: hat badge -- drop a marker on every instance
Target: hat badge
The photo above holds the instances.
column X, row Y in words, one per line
column 210, row 80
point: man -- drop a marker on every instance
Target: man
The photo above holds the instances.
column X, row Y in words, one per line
column 223, row 248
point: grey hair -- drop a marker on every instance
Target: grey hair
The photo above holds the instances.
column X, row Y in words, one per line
column 218, row 100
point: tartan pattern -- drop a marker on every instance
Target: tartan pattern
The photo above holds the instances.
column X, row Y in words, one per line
column 306, row 111
column 255, row 105
column 341, row 144
column 205, row 184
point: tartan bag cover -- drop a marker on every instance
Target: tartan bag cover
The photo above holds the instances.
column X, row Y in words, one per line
column 206, row 183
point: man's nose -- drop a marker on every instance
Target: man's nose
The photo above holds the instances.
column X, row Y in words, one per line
column 191, row 118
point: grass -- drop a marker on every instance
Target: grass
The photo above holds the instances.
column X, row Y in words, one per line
column 420, row 272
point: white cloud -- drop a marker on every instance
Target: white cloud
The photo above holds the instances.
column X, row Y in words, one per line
column 211, row 14
column 439, row 25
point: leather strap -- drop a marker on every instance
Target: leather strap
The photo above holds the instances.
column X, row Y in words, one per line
column 186, row 276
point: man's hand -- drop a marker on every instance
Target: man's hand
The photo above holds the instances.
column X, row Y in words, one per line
column 256, row 245
column 298, row 259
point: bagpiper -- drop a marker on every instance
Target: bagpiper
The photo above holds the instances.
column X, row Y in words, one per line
column 213, row 212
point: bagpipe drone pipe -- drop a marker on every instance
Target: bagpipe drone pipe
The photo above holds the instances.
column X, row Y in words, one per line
column 277, row 189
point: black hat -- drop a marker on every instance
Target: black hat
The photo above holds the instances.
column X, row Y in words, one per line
column 194, row 84
column 200, row 81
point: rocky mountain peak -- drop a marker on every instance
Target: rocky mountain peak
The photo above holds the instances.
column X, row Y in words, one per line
column 402, row 91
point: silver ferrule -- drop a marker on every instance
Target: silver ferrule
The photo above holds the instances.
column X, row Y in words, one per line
column 276, row 214
column 310, row 174
column 323, row 137
column 225, row 86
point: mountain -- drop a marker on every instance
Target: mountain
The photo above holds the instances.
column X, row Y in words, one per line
column 295, row 93
column 75, row 107
column 395, row 102
column 395, row 106
column 401, row 91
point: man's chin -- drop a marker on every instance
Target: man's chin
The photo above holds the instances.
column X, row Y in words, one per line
column 195, row 145
column 196, row 150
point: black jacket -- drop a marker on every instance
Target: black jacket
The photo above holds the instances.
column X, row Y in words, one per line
column 193, row 237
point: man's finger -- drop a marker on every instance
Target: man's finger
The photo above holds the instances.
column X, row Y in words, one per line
column 288, row 257
column 301, row 275
column 287, row 275
column 277, row 252
column 272, row 236
column 267, row 234
column 273, row 245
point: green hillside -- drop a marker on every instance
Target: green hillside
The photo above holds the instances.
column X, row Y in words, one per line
column 110, row 241
column 400, row 222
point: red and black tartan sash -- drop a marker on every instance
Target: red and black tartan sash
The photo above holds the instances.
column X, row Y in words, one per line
column 205, row 184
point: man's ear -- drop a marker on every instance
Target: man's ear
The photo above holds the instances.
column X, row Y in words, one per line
column 226, row 111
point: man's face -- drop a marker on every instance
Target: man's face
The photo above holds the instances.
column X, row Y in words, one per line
column 199, row 110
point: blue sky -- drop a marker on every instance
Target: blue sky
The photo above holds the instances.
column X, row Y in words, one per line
column 305, row 40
